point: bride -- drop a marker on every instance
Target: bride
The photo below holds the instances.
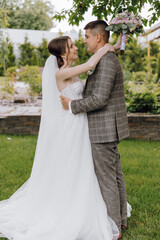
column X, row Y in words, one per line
column 61, row 200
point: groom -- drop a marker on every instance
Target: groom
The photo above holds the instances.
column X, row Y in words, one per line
column 104, row 102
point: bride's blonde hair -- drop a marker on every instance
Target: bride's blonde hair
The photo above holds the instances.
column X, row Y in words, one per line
column 57, row 47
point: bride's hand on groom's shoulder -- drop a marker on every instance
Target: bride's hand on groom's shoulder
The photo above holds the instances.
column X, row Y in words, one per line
column 109, row 48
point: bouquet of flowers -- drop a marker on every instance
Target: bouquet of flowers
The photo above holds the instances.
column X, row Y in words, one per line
column 126, row 23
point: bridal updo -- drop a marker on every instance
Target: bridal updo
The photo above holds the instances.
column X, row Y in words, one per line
column 58, row 47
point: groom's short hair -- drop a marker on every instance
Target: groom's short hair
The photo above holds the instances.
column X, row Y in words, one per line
column 98, row 26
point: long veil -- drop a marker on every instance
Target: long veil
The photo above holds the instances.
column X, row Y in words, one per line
column 51, row 102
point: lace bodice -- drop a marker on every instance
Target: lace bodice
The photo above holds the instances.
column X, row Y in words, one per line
column 73, row 91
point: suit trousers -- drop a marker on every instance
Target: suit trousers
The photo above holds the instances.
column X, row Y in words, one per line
column 111, row 180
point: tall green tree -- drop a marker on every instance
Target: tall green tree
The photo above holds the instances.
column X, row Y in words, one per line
column 28, row 54
column 11, row 57
column 101, row 9
column 3, row 42
column 155, row 47
column 3, row 19
column 4, row 55
column 43, row 52
column 29, row 14
column 7, row 57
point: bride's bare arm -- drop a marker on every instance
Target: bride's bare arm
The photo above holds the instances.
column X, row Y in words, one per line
column 66, row 73
column 118, row 43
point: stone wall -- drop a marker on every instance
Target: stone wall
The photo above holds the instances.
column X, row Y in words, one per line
column 145, row 127
column 20, row 124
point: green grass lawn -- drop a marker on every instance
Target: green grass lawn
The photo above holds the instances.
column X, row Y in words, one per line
column 140, row 164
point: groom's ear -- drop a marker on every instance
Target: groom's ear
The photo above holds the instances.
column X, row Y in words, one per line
column 98, row 37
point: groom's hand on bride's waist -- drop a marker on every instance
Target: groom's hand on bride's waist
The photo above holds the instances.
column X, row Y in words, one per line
column 65, row 102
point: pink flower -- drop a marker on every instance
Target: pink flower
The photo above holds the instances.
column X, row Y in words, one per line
column 124, row 19
column 119, row 21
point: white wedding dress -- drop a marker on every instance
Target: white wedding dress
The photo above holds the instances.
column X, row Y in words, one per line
column 61, row 200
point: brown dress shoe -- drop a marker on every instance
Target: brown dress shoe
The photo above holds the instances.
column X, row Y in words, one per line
column 120, row 236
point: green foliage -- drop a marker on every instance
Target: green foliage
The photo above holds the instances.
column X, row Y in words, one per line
column 36, row 85
column 154, row 48
column 43, row 52
column 157, row 93
column 158, row 68
column 3, row 17
column 134, row 58
column 32, row 56
column 8, row 86
column 12, row 71
column 28, row 54
column 4, row 53
column 11, row 57
column 141, row 97
column 3, row 43
column 143, row 102
column 32, row 76
column 28, row 71
column 139, row 77
column 102, row 9
column 29, row 14
column 1, row 69
column 127, row 75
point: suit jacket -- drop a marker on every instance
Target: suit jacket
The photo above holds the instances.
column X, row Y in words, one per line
column 104, row 102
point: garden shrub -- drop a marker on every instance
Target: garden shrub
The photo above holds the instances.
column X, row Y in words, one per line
column 32, row 76
column 36, row 84
column 28, row 73
column 143, row 102
column 127, row 75
column 12, row 71
column 140, row 98
column 157, row 93
column 139, row 77
column 42, row 52
column 9, row 87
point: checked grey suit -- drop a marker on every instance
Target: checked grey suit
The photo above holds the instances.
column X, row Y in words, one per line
column 104, row 102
